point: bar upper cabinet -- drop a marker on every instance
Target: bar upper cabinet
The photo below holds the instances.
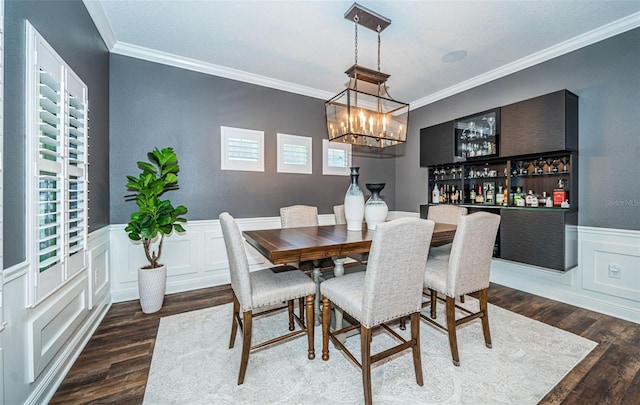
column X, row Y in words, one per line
column 477, row 136
column 543, row 124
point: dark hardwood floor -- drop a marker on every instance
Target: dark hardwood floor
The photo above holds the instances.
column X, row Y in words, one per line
column 114, row 366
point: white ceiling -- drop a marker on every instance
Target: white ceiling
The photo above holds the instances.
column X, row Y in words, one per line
column 305, row 46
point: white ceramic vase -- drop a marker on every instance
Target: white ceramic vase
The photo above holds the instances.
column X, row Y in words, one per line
column 375, row 209
column 354, row 203
column 152, row 285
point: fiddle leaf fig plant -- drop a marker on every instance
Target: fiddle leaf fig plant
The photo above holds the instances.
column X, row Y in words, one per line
column 155, row 216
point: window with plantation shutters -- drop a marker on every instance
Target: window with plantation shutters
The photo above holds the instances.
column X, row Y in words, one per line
column 336, row 158
column 294, row 154
column 241, row 149
column 57, row 153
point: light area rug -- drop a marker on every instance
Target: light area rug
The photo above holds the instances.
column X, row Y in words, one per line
column 192, row 364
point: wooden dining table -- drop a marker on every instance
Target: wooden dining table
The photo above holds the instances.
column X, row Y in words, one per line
column 289, row 245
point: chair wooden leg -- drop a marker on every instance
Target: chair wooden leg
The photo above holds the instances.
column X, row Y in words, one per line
column 326, row 324
column 246, row 345
column 310, row 327
column 434, row 302
column 451, row 328
column 234, row 320
column 290, row 311
column 415, row 337
column 302, row 308
column 462, row 299
column 365, row 344
column 403, row 323
column 485, row 316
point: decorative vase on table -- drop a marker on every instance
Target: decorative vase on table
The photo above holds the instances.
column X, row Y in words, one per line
column 375, row 209
column 354, row 203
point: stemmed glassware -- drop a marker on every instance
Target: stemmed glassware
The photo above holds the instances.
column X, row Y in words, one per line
column 541, row 163
column 522, row 167
column 491, row 120
column 549, row 162
column 565, row 162
column 555, row 163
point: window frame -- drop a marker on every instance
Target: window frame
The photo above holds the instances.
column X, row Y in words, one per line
column 334, row 170
column 297, row 140
column 227, row 163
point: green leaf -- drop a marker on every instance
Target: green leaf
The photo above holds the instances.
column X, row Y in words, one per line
column 148, row 167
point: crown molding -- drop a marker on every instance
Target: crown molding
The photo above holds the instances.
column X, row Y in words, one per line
column 104, row 28
column 100, row 20
column 152, row 55
column 601, row 33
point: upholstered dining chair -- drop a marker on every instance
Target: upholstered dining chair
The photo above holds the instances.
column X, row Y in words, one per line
column 341, row 219
column 340, row 216
column 390, row 288
column 446, row 214
column 306, row 215
column 465, row 271
column 298, row 216
column 263, row 288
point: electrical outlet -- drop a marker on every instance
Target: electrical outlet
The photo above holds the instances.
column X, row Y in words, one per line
column 615, row 271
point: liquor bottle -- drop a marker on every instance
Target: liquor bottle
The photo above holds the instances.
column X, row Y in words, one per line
column 559, row 194
column 435, row 194
column 446, row 194
column 489, row 197
column 441, row 194
column 452, row 195
column 530, row 198
column 479, row 196
column 518, row 199
column 500, row 196
column 472, row 194
column 542, row 200
column 506, row 197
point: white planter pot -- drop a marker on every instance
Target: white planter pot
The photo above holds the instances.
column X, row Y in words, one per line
column 152, row 284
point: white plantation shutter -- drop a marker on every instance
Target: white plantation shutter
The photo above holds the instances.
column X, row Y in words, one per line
column 76, row 177
column 294, row 154
column 241, row 149
column 57, row 150
column 336, row 158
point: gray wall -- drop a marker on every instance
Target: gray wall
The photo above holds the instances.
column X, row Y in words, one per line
column 67, row 27
column 154, row 105
column 606, row 78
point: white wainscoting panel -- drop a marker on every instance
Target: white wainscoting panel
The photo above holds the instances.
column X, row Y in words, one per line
column 198, row 259
column 50, row 328
column 588, row 285
column 611, row 261
column 195, row 259
column 98, row 272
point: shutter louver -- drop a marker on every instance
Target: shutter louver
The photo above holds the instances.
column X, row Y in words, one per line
column 295, row 154
column 49, row 174
column 243, row 149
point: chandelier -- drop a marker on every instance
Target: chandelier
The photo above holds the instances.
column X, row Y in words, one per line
column 364, row 113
